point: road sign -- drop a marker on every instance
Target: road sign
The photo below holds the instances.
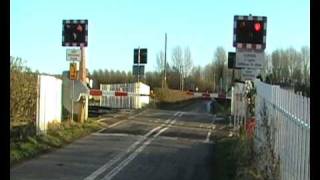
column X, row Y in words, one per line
column 249, row 74
column 249, row 59
column 249, row 32
column 143, row 56
column 138, row 70
column 73, row 71
column 73, row 54
column 75, row 33
column 135, row 56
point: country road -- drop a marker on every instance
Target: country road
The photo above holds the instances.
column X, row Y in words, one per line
column 153, row 144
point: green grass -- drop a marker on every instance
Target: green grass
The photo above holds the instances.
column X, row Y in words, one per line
column 225, row 161
column 233, row 159
column 57, row 136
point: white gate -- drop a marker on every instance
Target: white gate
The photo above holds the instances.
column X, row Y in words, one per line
column 128, row 96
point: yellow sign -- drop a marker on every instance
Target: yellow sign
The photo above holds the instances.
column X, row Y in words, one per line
column 73, row 71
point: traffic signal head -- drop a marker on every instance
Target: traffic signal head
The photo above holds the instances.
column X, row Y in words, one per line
column 74, row 32
column 250, row 32
column 231, row 60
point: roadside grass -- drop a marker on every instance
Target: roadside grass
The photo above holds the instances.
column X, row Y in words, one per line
column 57, row 136
column 225, row 165
column 234, row 156
column 234, row 159
column 170, row 95
column 246, row 169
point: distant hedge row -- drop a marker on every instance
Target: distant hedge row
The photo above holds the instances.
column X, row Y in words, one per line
column 23, row 92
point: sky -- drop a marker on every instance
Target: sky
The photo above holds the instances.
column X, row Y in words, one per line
column 116, row 27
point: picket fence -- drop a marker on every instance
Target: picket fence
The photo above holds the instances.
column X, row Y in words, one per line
column 288, row 117
column 282, row 125
column 238, row 105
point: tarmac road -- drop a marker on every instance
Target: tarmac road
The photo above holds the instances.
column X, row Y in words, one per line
column 154, row 144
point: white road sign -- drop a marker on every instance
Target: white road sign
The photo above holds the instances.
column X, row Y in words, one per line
column 73, row 55
column 249, row 59
column 249, row 74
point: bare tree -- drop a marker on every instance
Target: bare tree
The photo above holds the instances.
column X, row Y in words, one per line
column 186, row 65
column 177, row 61
column 160, row 61
column 219, row 61
column 305, row 55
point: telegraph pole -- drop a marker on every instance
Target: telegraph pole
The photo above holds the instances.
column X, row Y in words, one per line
column 82, row 78
column 165, row 61
column 138, row 64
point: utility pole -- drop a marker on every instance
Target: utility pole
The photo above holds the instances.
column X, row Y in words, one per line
column 138, row 64
column 214, row 81
column 82, row 78
column 165, row 61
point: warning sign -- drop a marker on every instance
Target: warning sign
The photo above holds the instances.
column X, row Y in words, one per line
column 249, row 59
column 73, row 71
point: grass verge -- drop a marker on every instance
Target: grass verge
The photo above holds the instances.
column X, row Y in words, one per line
column 58, row 135
column 234, row 159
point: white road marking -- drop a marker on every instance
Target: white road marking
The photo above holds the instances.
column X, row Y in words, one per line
column 125, row 162
column 213, row 126
column 113, row 125
column 116, row 134
column 121, row 155
column 208, row 137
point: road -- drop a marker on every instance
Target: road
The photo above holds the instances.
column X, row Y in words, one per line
column 153, row 144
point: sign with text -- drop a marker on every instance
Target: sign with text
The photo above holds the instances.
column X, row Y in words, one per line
column 249, row 74
column 73, row 55
column 249, row 59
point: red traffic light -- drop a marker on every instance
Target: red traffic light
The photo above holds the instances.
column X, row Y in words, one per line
column 79, row 28
column 257, row 27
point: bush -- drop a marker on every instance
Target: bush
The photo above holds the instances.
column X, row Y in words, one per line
column 23, row 92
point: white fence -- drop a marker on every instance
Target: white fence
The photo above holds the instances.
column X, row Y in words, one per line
column 48, row 101
column 135, row 95
column 283, row 124
column 238, row 105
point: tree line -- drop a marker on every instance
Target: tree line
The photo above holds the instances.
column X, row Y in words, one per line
column 289, row 68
